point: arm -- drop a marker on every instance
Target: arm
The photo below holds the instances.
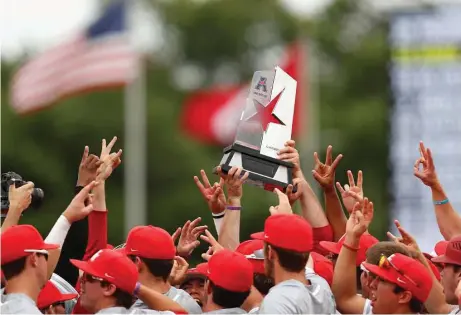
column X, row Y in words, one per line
column 335, row 213
column 229, row 236
column 157, row 301
column 344, row 278
column 20, row 199
column 448, row 220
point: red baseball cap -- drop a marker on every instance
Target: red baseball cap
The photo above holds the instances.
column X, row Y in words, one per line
column 366, row 241
column 440, row 248
column 406, row 272
column 111, row 266
column 434, row 269
column 229, row 270
column 199, row 272
column 452, row 253
column 150, row 242
column 323, row 267
column 251, row 249
column 20, row 241
column 50, row 295
column 287, row 231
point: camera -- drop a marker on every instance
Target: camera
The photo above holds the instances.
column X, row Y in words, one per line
column 11, row 178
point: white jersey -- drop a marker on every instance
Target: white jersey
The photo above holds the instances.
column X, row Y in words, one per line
column 122, row 310
column 18, row 303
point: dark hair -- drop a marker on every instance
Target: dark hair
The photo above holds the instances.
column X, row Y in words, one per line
column 262, row 283
column 123, row 298
column 291, row 260
column 358, row 274
column 226, row 298
column 159, row 267
column 14, row 268
column 456, row 268
column 416, row 306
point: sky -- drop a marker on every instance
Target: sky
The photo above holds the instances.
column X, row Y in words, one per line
column 31, row 24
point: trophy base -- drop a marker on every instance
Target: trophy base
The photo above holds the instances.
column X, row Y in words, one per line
column 264, row 171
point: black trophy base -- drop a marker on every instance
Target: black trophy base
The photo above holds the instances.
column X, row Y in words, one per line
column 264, row 171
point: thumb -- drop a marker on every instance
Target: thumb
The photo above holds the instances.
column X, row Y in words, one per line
column 83, row 194
column 272, row 210
column 12, row 188
column 86, row 211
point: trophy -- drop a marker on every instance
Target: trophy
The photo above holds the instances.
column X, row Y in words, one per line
column 265, row 125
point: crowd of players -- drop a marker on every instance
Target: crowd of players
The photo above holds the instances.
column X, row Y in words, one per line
column 319, row 262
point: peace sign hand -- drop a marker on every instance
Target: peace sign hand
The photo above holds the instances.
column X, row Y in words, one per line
column 427, row 174
column 324, row 173
column 213, row 195
column 405, row 239
column 351, row 193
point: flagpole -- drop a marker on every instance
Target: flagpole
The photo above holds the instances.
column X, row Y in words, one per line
column 135, row 148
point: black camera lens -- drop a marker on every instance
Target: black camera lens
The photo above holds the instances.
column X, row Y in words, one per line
column 37, row 198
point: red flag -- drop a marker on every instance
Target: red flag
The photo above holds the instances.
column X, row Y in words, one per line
column 212, row 115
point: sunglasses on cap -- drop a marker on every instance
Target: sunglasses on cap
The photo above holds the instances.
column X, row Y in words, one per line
column 257, row 255
column 39, row 252
column 385, row 263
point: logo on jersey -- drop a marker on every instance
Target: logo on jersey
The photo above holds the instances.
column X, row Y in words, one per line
column 262, row 84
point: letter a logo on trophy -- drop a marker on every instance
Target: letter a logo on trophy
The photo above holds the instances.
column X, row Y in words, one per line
column 265, row 125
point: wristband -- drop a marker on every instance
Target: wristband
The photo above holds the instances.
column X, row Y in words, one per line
column 354, row 249
column 136, row 289
column 441, row 202
column 233, row 208
column 218, row 215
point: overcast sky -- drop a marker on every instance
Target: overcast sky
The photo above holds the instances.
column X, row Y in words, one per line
column 33, row 24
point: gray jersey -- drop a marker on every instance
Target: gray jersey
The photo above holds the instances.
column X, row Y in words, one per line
column 293, row 297
column 367, row 308
column 122, row 310
column 179, row 296
column 18, row 303
column 235, row 310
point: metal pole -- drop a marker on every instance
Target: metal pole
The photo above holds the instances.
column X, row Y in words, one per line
column 135, row 152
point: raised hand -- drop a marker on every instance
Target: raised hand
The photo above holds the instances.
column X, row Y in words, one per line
column 283, row 207
column 324, row 173
column 188, row 237
column 290, row 154
column 427, row 174
column 213, row 195
column 88, row 168
column 234, row 180
column 21, row 197
column 300, row 184
column 214, row 245
column 351, row 193
column 179, row 271
column 405, row 238
column 360, row 219
column 110, row 162
column 77, row 209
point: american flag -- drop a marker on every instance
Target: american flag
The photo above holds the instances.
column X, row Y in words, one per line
column 99, row 58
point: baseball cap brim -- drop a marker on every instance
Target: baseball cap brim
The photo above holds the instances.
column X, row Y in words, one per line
column 445, row 260
column 85, row 267
column 258, row 236
column 331, row 247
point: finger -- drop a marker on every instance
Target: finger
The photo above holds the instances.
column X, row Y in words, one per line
column 181, row 261
column 185, row 228
column 272, row 210
column 215, row 196
column 199, row 230
column 422, row 149
column 316, row 159
column 211, row 238
column 316, row 176
column 83, row 194
column 195, row 222
column 199, row 185
column 360, row 179
column 111, row 144
column 350, row 176
column 237, row 174
column 288, row 156
column 392, row 237
column 232, row 171
column 290, row 143
column 86, row 150
column 206, row 256
column 335, row 163
column 289, row 189
column 86, row 211
column 27, row 186
column 281, row 195
column 175, row 235
column 286, row 150
column 205, row 180
column 12, row 188
column 103, row 147
column 352, row 194
column 221, row 181
column 340, row 188
column 359, row 216
column 416, row 165
column 430, row 160
column 328, row 159
column 245, row 177
column 356, row 207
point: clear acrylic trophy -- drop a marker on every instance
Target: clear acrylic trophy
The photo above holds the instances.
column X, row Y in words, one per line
column 264, row 127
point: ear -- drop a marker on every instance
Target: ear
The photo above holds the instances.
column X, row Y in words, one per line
column 271, row 254
column 109, row 290
column 405, row 297
column 32, row 260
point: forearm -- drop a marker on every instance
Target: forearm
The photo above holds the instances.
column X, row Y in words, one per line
column 157, row 301
column 57, row 235
column 229, row 235
column 12, row 218
column 311, row 208
column 344, row 285
column 97, row 233
column 99, row 196
column 448, row 220
column 335, row 213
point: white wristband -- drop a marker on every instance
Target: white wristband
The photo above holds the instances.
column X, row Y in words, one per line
column 217, row 219
column 59, row 231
